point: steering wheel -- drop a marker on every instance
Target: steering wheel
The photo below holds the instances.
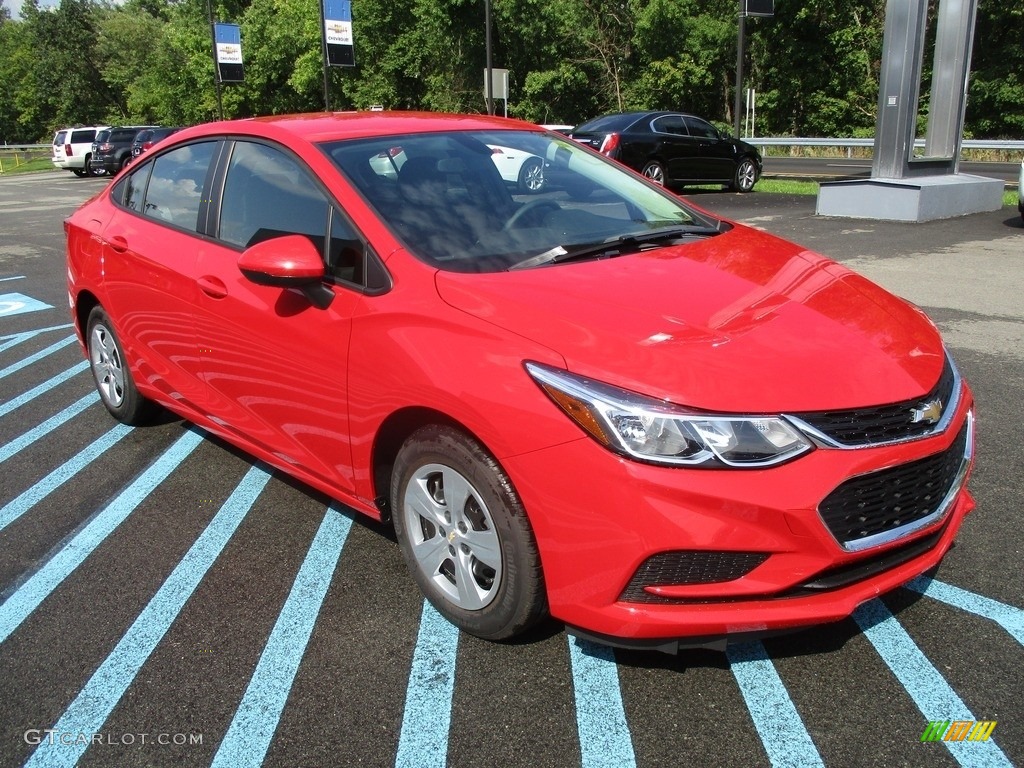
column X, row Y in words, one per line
column 526, row 210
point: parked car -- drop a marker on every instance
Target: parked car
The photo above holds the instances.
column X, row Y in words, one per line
column 657, row 426
column 112, row 149
column 146, row 138
column 673, row 149
column 72, row 149
column 517, row 167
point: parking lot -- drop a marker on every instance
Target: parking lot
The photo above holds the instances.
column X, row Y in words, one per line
column 166, row 601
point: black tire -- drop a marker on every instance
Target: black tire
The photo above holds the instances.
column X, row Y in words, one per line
column 79, row 172
column 111, row 374
column 655, row 171
column 531, row 176
column 486, row 579
column 89, row 169
column 746, row 176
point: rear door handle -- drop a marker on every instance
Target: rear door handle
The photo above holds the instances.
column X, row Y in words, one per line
column 212, row 287
column 118, row 243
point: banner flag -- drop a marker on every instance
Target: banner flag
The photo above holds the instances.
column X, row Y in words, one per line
column 338, row 41
column 227, row 46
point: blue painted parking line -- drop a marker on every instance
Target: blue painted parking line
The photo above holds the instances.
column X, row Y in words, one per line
column 929, row 690
column 1007, row 616
column 13, row 339
column 21, row 364
column 41, row 430
column 66, row 471
column 253, row 726
column 95, row 702
column 19, row 304
column 8, row 279
column 38, row 587
column 605, row 740
column 43, row 388
column 423, row 742
column 782, row 730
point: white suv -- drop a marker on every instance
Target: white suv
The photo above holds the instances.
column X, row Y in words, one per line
column 72, row 149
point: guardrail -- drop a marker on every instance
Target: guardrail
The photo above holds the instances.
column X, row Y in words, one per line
column 15, row 155
column 849, row 144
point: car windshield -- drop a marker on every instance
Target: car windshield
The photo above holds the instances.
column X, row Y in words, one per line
column 487, row 201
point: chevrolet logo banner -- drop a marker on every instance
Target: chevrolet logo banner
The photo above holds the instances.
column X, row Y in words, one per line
column 338, row 40
column 227, row 51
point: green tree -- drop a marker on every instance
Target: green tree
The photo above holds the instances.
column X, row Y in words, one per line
column 15, row 59
column 126, row 47
column 283, row 59
column 176, row 86
column 62, row 84
column 687, row 56
column 815, row 66
column 995, row 104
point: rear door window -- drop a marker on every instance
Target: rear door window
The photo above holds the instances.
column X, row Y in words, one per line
column 175, row 191
column 83, row 137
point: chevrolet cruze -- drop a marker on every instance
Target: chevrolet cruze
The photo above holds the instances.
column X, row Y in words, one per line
column 608, row 406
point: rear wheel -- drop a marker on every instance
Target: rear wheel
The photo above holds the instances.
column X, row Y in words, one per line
column 531, row 175
column 465, row 535
column 655, row 171
column 110, row 372
column 79, row 172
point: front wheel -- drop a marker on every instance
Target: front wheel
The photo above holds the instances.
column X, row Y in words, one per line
column 110, row 372
column 746, row 176
column 465, row 535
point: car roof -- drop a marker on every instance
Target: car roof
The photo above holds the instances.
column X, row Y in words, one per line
column 332, row 126
column 623, row 120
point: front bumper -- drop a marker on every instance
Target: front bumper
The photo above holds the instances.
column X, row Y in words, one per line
column 600, row 519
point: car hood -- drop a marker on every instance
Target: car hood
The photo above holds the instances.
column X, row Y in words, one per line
column 739, row 322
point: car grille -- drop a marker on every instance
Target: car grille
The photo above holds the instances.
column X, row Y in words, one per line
column 884, row 423
column 688, row 567
column 884, row 501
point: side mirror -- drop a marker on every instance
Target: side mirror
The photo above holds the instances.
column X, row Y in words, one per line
column 290, row 261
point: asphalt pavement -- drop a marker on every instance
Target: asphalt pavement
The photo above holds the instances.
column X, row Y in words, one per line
column 164, row 601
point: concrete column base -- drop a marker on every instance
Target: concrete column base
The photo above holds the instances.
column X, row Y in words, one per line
column 925, row 198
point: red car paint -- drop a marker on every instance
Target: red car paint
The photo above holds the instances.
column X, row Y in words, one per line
column 740, row 323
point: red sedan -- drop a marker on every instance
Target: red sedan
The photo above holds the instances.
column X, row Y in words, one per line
column 593, row 401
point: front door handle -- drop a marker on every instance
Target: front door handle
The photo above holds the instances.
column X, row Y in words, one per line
column 212, row 287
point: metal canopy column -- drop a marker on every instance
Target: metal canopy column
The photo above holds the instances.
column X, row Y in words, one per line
column 904, row 187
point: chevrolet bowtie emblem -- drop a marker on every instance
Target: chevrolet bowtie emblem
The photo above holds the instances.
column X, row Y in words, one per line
column 930, row 412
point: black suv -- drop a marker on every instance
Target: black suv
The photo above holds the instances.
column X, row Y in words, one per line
column 112, row 149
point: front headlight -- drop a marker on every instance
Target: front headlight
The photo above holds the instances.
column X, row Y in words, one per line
column 656, row 431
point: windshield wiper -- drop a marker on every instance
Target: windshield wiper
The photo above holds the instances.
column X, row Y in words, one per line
column 615, row 246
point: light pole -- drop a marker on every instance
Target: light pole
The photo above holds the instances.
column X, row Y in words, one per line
column 740, row 42
column 489, row 86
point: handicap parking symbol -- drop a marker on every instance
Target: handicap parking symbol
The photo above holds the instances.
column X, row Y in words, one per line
column 19, row 304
